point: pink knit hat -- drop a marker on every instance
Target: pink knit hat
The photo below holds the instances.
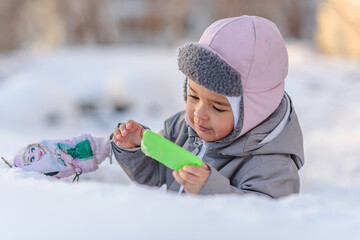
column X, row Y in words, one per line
column 243, row 57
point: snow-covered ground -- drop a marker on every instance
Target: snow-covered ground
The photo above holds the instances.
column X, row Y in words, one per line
column 40, row 98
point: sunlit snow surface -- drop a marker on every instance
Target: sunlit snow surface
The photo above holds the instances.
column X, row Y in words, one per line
column 40, row 98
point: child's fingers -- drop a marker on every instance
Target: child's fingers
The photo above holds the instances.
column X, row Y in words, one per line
column 115, row 139
column 118, row 138
column 205, row 166
column 188, row 186
column 116, row 133
column 198, row 171
column 119, row 131
column 178, row 178
column 187, row 180
column 117, row 142
column 123, row 130
column 188, row 177
column 128, row 134
column 133, row 126
column 130, row 124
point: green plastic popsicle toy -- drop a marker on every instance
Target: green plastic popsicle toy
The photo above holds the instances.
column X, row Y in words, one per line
column 167, row 152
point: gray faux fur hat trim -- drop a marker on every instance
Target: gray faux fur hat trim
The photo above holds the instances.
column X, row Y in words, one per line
column 209, row 70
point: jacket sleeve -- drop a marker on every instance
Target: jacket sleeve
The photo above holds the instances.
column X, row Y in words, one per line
column 275, row 176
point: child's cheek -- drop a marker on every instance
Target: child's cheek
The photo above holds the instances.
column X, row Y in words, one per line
column 189, row 112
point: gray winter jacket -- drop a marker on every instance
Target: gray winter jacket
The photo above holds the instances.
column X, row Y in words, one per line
column 264, row 161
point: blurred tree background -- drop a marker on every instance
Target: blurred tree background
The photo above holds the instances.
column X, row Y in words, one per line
column 27, row 24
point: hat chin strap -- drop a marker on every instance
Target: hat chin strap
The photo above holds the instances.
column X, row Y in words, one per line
column 235, row 107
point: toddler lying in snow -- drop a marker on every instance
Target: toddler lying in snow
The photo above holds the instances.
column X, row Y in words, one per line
column 63, row 158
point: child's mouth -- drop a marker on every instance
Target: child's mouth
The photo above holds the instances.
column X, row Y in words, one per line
column 202, row 128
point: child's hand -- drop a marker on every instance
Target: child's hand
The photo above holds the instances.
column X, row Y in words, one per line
column 128, row 134
column 192, row 178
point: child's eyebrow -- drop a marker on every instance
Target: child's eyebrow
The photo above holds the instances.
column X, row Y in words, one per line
column 192, row 89
column 221, row 103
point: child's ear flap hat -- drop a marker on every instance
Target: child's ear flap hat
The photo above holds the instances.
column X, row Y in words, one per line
column 243, row 58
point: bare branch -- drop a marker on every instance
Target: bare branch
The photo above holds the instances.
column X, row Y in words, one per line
column 6, row 162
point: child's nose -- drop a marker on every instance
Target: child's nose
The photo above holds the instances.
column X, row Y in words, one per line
column 201, row 112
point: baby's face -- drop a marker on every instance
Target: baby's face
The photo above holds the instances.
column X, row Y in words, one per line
column 33, row 154
column 210, row 113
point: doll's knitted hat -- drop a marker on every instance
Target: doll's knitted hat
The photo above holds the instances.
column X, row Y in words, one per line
column 243, row 58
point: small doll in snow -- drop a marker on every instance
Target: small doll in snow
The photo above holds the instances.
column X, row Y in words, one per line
column 63, row 158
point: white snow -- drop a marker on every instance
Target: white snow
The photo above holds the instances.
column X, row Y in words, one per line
column 106, row 205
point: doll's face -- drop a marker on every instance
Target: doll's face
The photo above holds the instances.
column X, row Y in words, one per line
column 33, row 154
column 210, row 113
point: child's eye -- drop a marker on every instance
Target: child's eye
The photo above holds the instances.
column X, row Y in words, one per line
column 193, row 97
column 218, row 109
column 32, row 159
column 32, row 149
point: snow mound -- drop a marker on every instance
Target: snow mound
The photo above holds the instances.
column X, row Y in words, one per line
column 35, row 102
